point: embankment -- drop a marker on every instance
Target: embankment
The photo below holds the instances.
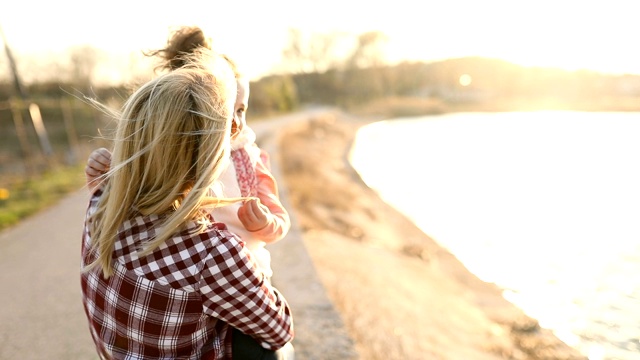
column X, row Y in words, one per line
column 399, row 293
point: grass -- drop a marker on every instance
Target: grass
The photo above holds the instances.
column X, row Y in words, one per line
column 26, row 197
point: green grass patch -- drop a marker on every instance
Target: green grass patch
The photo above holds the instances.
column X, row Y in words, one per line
column 23, row 198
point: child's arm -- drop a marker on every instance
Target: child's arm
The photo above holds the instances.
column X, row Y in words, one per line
column 97, row 165
column 267, row 219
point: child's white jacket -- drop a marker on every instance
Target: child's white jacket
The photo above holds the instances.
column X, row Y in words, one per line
column 249, row 174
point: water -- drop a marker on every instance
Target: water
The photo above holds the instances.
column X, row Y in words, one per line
column 544, row 204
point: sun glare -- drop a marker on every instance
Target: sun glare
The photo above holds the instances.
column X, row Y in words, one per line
column 543, row 33
column 465, row 80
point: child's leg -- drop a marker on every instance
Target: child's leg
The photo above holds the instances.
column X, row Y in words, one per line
column 247, row 348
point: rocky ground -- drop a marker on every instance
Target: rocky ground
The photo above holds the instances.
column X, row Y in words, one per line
column 401, row 295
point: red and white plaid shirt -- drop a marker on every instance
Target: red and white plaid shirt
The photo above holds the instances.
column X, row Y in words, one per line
column 179, row 301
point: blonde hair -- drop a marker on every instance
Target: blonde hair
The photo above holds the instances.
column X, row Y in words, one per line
column 172, row 142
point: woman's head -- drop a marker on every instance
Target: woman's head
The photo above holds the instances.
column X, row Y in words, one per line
column 172, row 142
column 174, row 132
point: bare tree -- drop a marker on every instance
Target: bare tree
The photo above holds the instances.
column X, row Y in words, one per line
column 14, row 69
column 369, row 51
column 307, row 53
column 84, row 59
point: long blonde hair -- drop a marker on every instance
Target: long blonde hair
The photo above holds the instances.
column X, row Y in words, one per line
column 172, row 142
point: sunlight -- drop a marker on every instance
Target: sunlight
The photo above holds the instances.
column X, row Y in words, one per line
column 465, row 80
column 541, row 33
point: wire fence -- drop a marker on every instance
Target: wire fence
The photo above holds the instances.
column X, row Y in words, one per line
column 39, row 135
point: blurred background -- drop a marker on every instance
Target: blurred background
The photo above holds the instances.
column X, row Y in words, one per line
column 436, row 57
column 393, row 60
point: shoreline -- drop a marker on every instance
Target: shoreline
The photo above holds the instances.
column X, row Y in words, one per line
column 400, row 294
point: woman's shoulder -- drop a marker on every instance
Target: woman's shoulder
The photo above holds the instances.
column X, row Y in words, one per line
column 179, row 261
column 214, row 238
column 221, row 239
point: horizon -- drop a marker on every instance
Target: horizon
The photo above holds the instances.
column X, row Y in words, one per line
column 569, row 35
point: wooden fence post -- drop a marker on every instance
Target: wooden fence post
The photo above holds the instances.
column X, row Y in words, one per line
column 36, row 117
column 16, row 111
column 67, row 115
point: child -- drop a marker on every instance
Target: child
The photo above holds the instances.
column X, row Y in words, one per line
column 161, row 279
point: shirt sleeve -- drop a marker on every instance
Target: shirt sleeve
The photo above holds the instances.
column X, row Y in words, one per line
column 280, row 223
column 235, row 291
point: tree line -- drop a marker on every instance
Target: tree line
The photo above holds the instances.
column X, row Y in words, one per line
column 350, row 70
column 337, row 69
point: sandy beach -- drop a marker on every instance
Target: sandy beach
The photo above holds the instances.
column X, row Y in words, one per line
column 400, row 294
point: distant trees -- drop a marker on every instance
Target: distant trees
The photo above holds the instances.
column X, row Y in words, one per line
column 325, row 67
column 311, row 53
column 344, row 69
column 369, row 51
column 273, row 93
column 84, row 59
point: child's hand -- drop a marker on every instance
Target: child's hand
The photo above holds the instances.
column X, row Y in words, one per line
column 98, row 164
column 253, row 215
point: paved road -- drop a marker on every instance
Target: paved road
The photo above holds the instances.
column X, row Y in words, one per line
column 41, row 315
column 40, row 306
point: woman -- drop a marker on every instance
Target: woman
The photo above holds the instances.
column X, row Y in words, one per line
column 160, row 278
column 257, row 222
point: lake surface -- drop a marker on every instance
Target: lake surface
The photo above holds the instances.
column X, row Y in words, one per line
column 544, row 204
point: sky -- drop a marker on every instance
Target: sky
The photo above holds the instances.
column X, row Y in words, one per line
column 595, row 35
